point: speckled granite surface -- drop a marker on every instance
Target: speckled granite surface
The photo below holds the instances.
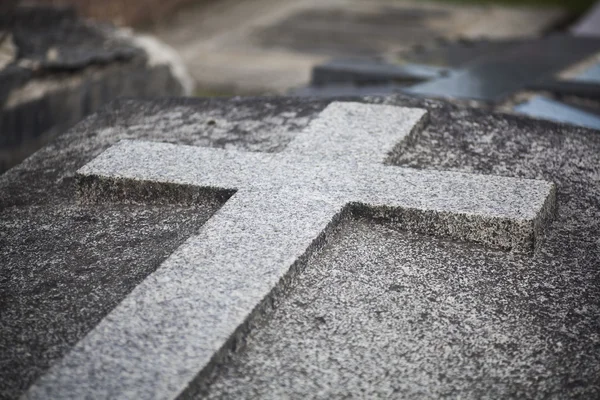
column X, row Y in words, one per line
column 377, row 311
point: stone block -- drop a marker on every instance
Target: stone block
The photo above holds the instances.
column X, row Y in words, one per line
column 285, row 247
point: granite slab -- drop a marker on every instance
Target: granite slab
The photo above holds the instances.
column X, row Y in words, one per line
column 278, row 210
column 377, row 310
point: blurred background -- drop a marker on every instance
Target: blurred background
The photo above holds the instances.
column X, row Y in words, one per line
column 60, row 60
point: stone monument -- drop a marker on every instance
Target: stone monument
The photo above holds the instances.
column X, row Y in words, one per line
column 234, row 248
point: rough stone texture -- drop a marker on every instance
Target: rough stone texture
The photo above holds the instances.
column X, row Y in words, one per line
column 387, row 314
column 182, row 316
column 378, row 309
column 497, row 211
column 66, row 68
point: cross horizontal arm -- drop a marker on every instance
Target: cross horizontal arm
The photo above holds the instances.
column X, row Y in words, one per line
column 177, row 164
column 499, row 211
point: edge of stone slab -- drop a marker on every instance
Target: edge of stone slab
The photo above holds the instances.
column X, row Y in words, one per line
column 545, row 217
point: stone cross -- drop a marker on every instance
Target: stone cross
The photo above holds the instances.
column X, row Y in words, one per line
column 278, row 209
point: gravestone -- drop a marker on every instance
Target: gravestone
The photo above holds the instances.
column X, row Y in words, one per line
column 288, row 247
column 56, row 68
column 363, row 72
column 422, row 62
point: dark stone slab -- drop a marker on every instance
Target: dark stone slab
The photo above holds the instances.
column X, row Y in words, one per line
column 337, row 90
column 421, row 63
column 109, row 249
column 499, row 75
column 588, row 90
column 553, row 110
column 45, row 306
column 378, row 312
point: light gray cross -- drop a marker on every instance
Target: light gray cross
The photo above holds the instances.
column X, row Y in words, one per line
column 190, row 309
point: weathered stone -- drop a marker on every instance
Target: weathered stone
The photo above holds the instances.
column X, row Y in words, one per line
column 181, row 317
column 55, row 38
column 457, row 53
column 377, row 311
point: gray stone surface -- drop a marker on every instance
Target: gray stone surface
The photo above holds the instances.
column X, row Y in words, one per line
column 377, row 310
column 180, row 318
column 390, row 314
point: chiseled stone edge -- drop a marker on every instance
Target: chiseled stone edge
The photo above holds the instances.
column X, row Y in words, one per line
column 504, row 233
